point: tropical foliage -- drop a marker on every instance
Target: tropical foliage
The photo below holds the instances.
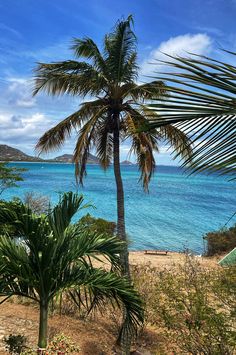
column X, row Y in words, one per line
column 98, row 225
column 53, row 256
column 220, row 241
column 201, row 103
column 9, row 176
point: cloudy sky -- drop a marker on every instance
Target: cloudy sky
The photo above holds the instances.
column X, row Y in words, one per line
column 41, row 30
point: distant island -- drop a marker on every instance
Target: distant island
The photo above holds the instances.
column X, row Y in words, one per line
column 9, row 154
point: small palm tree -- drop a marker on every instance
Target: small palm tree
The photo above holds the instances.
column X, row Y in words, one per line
column 53, row 256
column 115, row 115
column 202, row 103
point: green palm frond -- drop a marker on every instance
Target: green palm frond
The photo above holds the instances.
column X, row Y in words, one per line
column 100, row 286
column 59, row 79
column 61, row 215
column 120, row 46
column 202, row 104
column 87, row 48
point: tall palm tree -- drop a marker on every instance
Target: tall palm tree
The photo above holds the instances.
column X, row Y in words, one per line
column 117, row 112
column 54, row 255
column 201, row 102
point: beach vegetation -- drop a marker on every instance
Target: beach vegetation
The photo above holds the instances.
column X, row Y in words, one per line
column 53, row 256
column 221, row 241
column 192, row 307
column 59, row 345
column 9, row 176
column 98, row 225
column 15, row 344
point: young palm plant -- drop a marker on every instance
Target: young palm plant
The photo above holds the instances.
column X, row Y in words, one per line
column 117, row 112
column 53, row 256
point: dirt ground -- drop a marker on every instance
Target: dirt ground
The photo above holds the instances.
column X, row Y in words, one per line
column 94, row 337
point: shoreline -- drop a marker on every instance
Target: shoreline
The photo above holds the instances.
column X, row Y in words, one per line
column 172, row 259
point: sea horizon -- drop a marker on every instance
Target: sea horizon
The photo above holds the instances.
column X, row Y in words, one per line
column 175, row 215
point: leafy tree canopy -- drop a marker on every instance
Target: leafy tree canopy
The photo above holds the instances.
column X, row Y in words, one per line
column 9, row 176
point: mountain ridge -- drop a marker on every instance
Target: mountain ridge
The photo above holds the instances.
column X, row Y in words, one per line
column 8, row 154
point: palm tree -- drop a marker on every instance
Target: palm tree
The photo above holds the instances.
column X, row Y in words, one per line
column 115, row 115
column 201, row 102
column 54, row 255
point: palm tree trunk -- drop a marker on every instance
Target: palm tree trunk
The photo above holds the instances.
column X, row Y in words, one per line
column 43, row 325
column 120, row 202
column 124, row 339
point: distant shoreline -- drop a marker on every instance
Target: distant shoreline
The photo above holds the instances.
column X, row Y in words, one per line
column 62, row 162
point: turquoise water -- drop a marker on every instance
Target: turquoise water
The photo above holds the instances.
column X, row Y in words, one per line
column 174, row 215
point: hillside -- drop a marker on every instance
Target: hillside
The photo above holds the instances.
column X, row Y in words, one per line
column 8, row 153
column 67, row 158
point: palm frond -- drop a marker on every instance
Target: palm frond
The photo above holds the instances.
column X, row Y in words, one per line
column 148, row 91
column 104, row 143
column 86, row 138
column 61, row 215
column 201, row 103
column 55, row 137
column 60, row 78
column 143, row 146
column 87, row 48
column 120, row 46
column 101, row 286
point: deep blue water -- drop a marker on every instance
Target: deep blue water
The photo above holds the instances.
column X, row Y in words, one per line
column 175, row 214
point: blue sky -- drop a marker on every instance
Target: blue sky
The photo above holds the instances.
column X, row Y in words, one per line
column 32, row 31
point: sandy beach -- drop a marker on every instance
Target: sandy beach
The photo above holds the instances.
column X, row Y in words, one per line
column 170, row 260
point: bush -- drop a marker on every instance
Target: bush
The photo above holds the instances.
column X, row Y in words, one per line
column 15, row 344
column 8, row 229
column 36, row 202
column 59, row 345
column 194, row 308
column 98, row 225
column 220, row 241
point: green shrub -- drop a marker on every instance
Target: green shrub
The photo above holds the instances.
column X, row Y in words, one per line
column 59, row 345
column 7, row 228
column 220, row 241
column 15, row 344
column 194, row 308
column 98, row 225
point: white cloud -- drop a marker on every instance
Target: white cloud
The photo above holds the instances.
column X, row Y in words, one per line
column 199, row 44
column 28, row 129
column 19, row 93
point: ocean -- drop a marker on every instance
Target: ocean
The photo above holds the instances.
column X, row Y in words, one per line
column 174, row 215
